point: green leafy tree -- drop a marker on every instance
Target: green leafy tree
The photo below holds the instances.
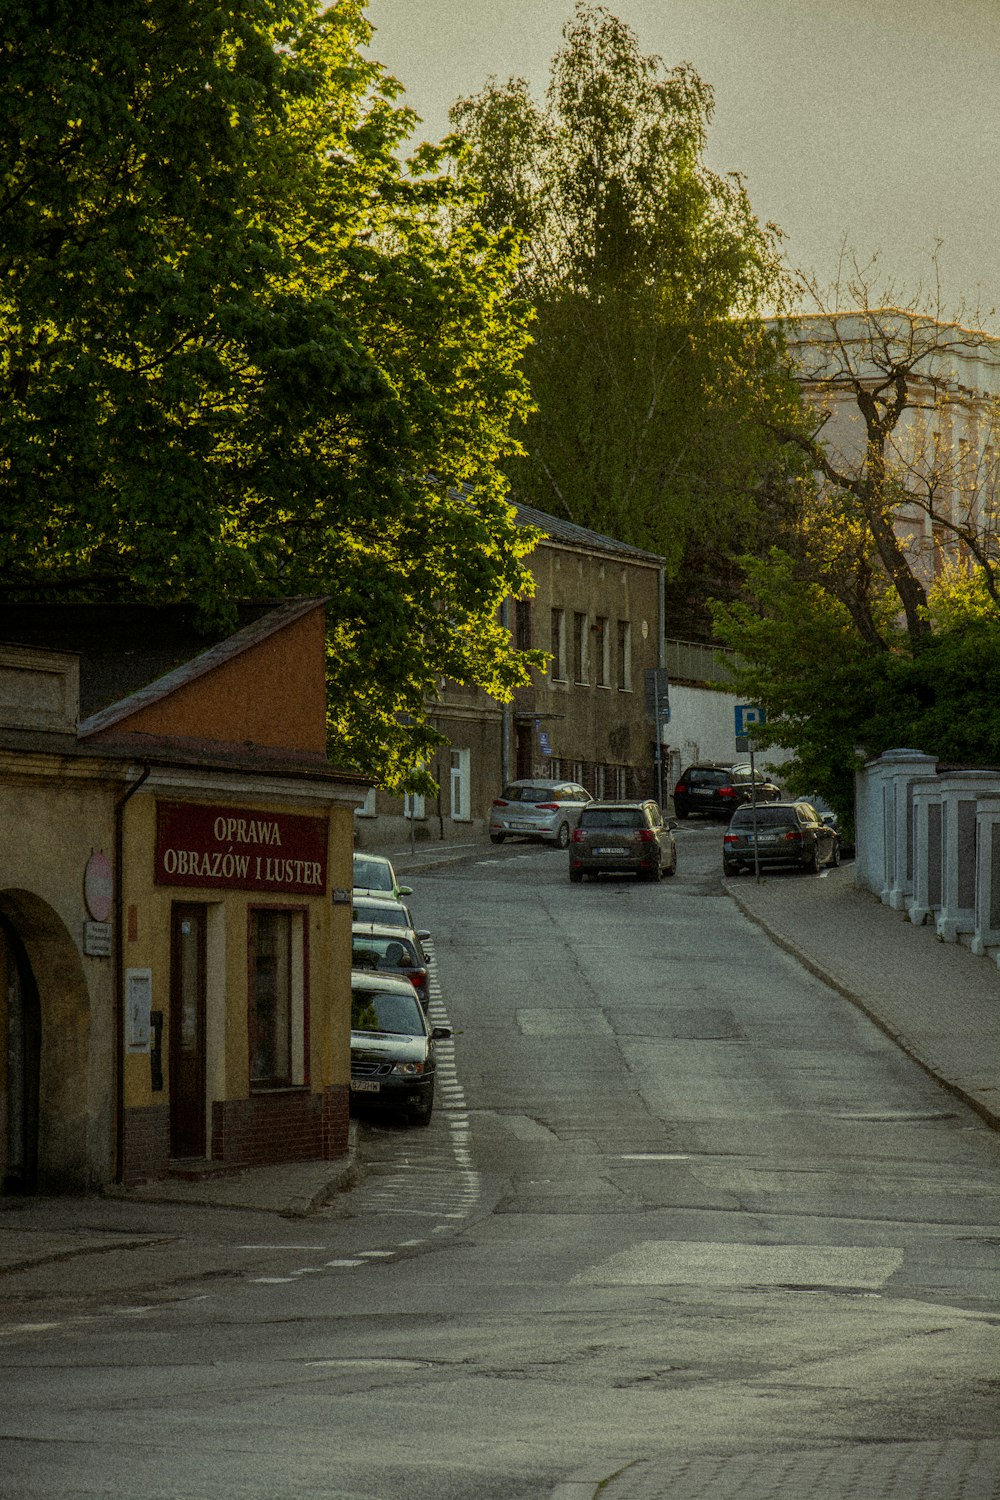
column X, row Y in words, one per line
column 650, row 367
column 248, row 351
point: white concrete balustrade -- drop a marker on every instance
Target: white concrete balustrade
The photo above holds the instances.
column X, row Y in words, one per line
column 929, row 844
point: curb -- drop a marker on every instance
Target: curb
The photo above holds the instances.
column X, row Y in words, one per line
column 817, row 970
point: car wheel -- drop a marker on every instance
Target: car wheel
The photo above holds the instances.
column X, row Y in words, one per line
column 672, row 867
column 679, row 814
column 562, row 837
column 421, row 1114
column 576, row 876
column 811, row 865
column 835, row 854
column 496, row 838
column 729, row 867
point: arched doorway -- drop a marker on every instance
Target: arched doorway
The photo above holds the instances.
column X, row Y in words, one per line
column 20, row 1063
column 54, row 1135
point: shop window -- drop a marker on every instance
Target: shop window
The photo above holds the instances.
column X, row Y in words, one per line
column 461, row 789
column 277, row 999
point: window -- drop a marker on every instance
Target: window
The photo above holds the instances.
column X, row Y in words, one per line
column 600, row 780
column 277, row 999
column 624, row 656
column 414, row 805
column 557, row 646
column 579, row 648
column 522, row 624
column 602, row 651
column 461, row 799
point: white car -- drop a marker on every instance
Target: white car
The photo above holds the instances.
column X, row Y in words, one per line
column 547, row 810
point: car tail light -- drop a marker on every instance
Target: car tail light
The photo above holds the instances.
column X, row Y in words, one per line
column 577, row 835
column 646, row 836
column 727, row 791
column 547, row 806
column 794, row 836
column 731, row 838
column 499, row 802
column 680, row 787
column 417, row 977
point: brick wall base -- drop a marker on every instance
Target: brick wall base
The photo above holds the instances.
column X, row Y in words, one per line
column 147, row 1143
column 268, row 1129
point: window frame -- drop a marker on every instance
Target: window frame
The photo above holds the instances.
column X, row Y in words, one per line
column 296, row 1040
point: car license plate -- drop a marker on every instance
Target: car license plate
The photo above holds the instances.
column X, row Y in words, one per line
column 365, row 1085
column 610, row 851
column 701, row 791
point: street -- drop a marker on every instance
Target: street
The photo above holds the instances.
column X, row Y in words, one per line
column 678, row 1201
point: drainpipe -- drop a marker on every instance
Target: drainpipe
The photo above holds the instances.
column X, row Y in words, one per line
column 120, row 973
column 505, row 711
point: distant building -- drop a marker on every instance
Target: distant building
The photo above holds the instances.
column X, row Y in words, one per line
column 598, row 611
column 947, row 441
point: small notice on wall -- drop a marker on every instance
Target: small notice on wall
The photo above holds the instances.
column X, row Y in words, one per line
column 138, row 1004
column 97, row 939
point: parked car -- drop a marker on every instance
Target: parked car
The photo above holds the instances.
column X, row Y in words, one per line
column 374, row 876
column 390, row 949
column 547, row 810
column 717, row 791
column 385, row 912
column 392, row 1047
column 780, row 833
column 828, row 815
column 631, row 837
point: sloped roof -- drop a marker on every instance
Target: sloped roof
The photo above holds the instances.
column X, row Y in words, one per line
column 135, row 653
column 580, row 536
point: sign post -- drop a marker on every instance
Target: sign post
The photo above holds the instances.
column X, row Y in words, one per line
column 748, row 716
column 656, row 691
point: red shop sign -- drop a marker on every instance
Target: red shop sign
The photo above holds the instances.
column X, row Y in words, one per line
column 233, row 848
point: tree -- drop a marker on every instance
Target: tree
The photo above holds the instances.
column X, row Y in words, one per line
column 649, row 366
column 880, row 626
column 247, row 351
column 908, row 375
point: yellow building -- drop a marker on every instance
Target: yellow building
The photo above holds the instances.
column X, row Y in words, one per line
column 175, row 875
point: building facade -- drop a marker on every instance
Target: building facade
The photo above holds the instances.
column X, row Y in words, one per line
column 597, row 611
column 175, row 875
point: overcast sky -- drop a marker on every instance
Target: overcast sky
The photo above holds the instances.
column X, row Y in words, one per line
column 874, row 121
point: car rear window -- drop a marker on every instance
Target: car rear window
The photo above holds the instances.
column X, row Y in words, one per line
column 709, row 778
column 378, row 1011
column 528, row 794
column 611, row 817
column 768, row 816
column 381, row 952
column 372, row 874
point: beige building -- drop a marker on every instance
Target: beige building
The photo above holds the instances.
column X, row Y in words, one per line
column 175, row 874
column 945, row 446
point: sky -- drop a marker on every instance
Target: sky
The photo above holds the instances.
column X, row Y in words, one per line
column 867, row 124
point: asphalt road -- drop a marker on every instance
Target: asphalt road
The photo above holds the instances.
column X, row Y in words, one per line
column 677, row 1198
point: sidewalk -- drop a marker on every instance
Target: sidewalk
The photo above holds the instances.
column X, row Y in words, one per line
column 938, row 1001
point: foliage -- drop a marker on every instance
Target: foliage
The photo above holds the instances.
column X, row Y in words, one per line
column 249, row 352
column 836, row 701
column 650, row 368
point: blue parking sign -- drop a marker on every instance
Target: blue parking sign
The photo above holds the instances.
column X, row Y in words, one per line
column 748, row 716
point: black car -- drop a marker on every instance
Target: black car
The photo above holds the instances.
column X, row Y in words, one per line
column 393, row 950
column 780, row 833
column 392, row 1047
column 717, row 791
